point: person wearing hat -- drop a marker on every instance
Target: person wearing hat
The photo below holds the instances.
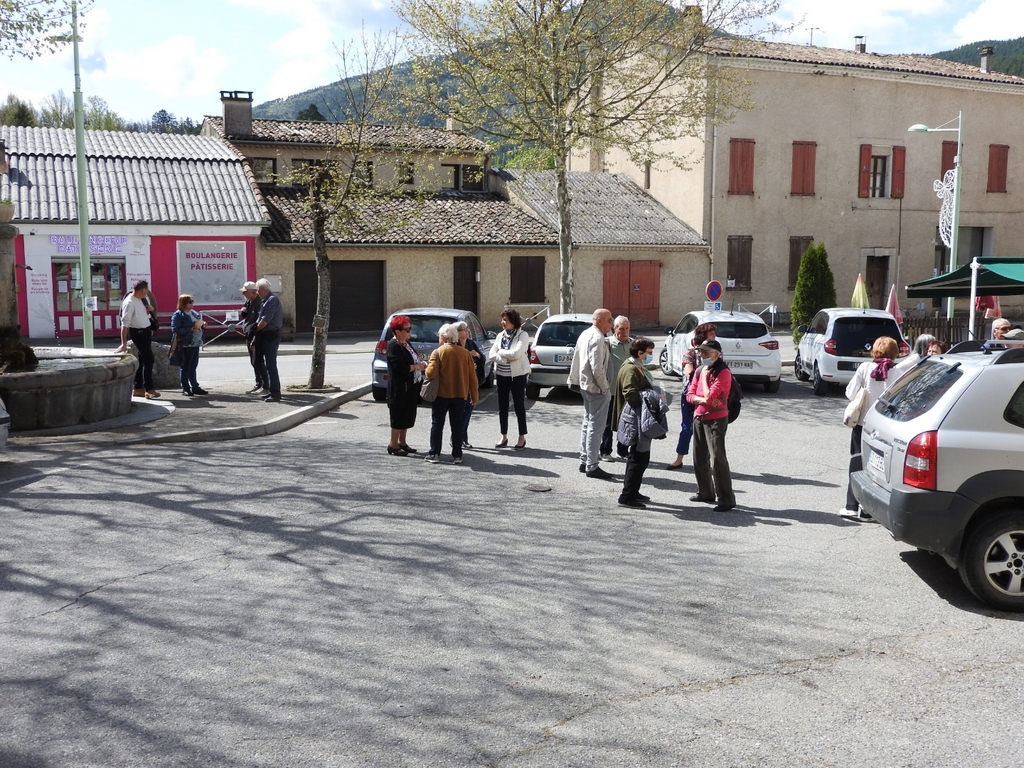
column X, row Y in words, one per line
column 249, row 314
column 708, row 393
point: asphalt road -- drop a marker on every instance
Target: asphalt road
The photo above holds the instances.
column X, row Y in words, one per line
column 306, row 600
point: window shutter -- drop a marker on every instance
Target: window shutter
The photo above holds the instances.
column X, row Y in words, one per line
column 948, row 154
column 741, row 166
column 864, row 181
column 738, row 266
column 797, row 248
column 998, row 154
column 803, row 168
column 899, row 171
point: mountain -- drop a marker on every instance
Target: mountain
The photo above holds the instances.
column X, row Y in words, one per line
column 1008, row 57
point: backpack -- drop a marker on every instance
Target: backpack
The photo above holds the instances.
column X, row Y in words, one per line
column 735, row 400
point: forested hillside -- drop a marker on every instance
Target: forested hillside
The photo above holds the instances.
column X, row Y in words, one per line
column 1008, row 57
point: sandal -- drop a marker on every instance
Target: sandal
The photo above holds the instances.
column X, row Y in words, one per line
column 502, row 444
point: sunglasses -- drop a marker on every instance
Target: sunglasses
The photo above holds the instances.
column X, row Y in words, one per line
column 406, row 329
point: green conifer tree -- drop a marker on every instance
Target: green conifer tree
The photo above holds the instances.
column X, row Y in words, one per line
column 815, row 287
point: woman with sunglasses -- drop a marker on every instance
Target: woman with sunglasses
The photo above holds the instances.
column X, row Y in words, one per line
column 405, row 373
column 187, row 325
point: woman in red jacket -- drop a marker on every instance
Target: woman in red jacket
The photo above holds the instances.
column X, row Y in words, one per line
column 708, row 393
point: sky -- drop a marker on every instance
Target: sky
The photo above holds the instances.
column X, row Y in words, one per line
column 142, row 56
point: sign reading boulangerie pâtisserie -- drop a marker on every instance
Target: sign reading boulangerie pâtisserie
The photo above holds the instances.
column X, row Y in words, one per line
column 211, row 270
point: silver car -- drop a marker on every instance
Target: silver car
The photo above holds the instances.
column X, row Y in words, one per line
column 5, row 425
column 552, row 351
column 425, row 323
column 943, row 456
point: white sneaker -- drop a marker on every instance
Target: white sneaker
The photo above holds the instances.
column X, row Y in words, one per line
column 432, row 458
column 457, row 460
column 607, row 457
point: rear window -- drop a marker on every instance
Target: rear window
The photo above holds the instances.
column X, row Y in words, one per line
column 424, row 328
column 560, row 334
column 917, row 391
column 1014, row 412
column 741, row 330
column 855, row 335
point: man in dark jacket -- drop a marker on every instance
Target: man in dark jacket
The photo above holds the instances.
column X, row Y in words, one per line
column 249, row 314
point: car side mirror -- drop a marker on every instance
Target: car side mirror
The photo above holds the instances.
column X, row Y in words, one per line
column 670, row 331
column 803, row 329
column 491, row 335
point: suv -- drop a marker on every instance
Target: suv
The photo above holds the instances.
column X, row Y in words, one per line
column 750, row 351
column 426, row 322
column 838, row 340
column 943, row 457
column 552, row 351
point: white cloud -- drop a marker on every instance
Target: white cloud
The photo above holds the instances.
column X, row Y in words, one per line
column 992, row 20
column 174, row 67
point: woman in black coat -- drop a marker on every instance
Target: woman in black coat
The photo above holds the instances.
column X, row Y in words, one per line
column 405, row 373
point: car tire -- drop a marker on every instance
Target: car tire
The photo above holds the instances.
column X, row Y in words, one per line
column 798, row 369
column 380, row 394
column 532, row 391
column 820, row 385
column 773, row 386
column 663, row 362
column 993, row 574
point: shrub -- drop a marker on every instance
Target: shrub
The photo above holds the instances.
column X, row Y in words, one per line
column 815, row 287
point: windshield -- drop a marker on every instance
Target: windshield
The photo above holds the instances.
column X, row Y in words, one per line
column 560, row 334
column 917, row 391
column 855, row 335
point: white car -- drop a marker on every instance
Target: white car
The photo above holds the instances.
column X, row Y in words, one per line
column 551, row 352
column 838, row 340
column 748, row 348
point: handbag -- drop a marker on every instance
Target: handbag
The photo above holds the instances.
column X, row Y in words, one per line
column 429, row 388
column 174, row 354
column 854, row 411
column 154, row 324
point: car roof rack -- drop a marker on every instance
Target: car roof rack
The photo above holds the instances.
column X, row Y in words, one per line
column 971, row 345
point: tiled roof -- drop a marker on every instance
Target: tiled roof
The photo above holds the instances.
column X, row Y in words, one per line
column 453, row 218
column 894, row 62
column 606, row 209
column 316, row 132
column 132, row 177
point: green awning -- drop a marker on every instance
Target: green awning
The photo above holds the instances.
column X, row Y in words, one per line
column 997, row 276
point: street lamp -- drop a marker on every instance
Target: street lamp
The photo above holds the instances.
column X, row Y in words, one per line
column 949, row 217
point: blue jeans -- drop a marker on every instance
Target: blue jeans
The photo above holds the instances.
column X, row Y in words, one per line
column 189, row 364
column 452, row 408
column 271, row 341
column 595, row 416
column 685, row 429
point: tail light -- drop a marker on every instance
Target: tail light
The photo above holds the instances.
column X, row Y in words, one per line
column 920, row 469
column 381, row 348
column 772, row 345
column 831, row 347
column 904, row 349
column 534, row 360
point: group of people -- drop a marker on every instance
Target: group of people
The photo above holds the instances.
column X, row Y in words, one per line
column 621, row 402
column 262, row 319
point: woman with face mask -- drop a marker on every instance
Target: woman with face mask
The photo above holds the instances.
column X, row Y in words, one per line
column 708, row 393
column 632, row 380
column 691, row 360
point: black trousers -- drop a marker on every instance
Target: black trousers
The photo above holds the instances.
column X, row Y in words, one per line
column 142, row 338
column 516, row 386
column 259, row 365
column 636, row 465
column 856, row 464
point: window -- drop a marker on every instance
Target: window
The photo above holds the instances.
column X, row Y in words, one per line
column 472, row 178
column 741, row 166
column 363, row 171
column 998, row 154
column 874, row 179
column 299, row 163
column 526, row 275
column 449, row 177
column 797, row 248
column 740, row 247
column 803, row 168
column 879, row 168
column 948, row 155
column 264, row 168
column 404, row 173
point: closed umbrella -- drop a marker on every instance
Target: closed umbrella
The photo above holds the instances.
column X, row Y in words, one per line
column 860, row 295
column 893, row 306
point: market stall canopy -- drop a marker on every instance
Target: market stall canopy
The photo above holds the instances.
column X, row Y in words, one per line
column 997, row 276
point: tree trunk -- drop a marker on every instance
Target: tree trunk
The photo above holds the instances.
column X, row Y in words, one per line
column 323, row 300
column 567, row 298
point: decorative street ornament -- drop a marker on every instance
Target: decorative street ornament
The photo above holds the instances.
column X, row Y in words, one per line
column 944, row 191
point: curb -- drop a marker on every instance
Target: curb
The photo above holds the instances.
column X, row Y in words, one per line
column 271, row 427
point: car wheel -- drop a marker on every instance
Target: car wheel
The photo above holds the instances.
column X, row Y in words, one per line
column 663, row 362
column 380, row 394
column 532, row 391
column 992, row 562
column 772, row 386
column 798, row 369
column 820, row 385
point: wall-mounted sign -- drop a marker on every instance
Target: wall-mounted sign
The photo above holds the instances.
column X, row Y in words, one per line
column 211, row 270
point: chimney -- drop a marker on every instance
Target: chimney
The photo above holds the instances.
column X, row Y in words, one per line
column 451, row 124
column 986, row 58
column 237, row 112
column 860, row 44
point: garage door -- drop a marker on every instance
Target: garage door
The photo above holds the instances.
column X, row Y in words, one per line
column 357, row 296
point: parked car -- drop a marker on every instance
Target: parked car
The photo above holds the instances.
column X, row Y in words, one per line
column 5, row 425
column 552, row 350
column 839, row 339
column 425, row 323
column 748, row 348
column 943, row 453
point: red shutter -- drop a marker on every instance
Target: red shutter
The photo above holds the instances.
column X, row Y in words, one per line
column 864, row 182
column 998, row 154
column 948, row 153
column 741, row 166
column 899, row 171
column 802, row 182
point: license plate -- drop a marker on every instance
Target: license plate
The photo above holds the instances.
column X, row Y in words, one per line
column 876, row 461
column 739, row 364
column 563, row 358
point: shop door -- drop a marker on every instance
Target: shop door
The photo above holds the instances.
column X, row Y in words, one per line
column 107, row 285
column 357, row 296
column 633, row 289
column 465, row 288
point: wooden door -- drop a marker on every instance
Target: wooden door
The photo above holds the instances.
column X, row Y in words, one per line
column 633, row 289
column 465, row 287
column 876, row 280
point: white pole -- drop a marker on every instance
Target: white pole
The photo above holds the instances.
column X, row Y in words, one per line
column 974, row 293
column 958, row 168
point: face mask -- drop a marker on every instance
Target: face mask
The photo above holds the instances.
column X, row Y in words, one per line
column 708, row 361
column 649, row 358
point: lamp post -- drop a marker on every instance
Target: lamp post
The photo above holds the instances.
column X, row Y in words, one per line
column 941, row 188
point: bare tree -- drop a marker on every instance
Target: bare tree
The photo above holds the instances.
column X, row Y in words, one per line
column 29, row 27
column 57, row 111
column 579, row 75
